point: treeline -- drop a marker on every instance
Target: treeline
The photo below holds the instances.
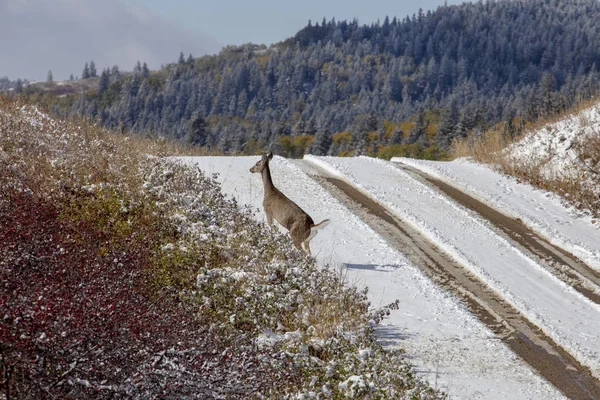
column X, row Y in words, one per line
column 6, row 84
column 401, row 86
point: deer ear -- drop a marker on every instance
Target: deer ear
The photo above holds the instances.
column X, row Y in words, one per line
column 270, row 155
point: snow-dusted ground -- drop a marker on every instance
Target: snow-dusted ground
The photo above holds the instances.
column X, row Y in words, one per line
column 566, row 316
column 448, row 346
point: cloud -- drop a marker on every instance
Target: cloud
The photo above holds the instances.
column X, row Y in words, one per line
column 61, row 35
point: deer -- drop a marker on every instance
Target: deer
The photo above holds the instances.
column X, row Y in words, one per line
column 288, row 214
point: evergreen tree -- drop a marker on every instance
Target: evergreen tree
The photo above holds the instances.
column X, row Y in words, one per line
column 461, row 127
column 115, row 73
column 311, row 127
column 320, row 146
column 396, row 137
column 393, row 87
column 417, row 133
column 19, row 86
column 86, row 71
column 547, row 100
column 104, row 81
column 197, row 134
column 93, row 72
column 145, row 71
column 447, row 126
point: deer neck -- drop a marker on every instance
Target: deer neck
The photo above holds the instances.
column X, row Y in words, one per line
column 267, row 181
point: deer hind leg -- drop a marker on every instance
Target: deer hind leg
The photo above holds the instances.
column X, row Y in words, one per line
column 307, row 246
column 299, row 238
column 298, row 244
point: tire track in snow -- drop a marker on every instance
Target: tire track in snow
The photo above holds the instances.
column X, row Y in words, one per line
column 561, row 263
column 525, row 339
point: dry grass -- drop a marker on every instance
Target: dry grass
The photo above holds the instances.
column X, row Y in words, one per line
column 162, row 147
column 486, row 148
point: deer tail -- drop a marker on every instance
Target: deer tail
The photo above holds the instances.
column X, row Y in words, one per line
column 315, row 227
column 320, row 225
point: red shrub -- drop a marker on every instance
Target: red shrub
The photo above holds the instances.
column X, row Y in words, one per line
column 77, row 321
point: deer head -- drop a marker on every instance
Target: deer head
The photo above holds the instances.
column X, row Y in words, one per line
column 262, row 163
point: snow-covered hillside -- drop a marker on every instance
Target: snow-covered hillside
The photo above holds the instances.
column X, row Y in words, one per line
column 445, row 342
column 555, row 148
column 561, row 156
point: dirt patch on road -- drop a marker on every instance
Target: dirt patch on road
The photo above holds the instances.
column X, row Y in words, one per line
column 550, row 360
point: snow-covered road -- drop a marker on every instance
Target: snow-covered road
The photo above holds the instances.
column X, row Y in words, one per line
column 542, row 211
column 448, row 346
column 570, row 319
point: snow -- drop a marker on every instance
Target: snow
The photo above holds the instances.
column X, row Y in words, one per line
column 445, row 343
column 354, row 386
column 562, row 313
column 554, row 145
column 540, row 210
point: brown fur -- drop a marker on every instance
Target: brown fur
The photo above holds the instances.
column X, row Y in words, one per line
column 285, row 211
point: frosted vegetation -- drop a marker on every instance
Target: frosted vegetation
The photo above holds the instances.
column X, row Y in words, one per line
column 130, row 276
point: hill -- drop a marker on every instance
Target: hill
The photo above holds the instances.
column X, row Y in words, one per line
column 398, row 87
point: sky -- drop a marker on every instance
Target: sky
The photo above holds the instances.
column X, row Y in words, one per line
column 269, row 21
column 38, row 36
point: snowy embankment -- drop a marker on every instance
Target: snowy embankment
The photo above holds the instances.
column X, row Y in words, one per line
column 563, row 314
column 556, row 147
column 447, row 345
